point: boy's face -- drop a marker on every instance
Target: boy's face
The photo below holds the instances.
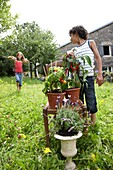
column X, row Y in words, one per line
column 74, row 38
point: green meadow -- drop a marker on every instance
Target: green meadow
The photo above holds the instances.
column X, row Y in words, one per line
column 22, row 135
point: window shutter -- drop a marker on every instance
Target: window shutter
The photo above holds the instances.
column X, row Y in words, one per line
column 112, row 50
column 101, row 50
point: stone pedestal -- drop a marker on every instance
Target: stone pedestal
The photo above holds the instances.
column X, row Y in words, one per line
column 68, row 149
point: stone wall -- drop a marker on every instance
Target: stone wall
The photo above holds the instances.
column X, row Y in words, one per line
column 103, row 36
column 66, row 47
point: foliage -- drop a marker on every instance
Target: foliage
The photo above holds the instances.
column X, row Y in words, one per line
column 55, row 81
column 36, row 44
column 68, row 76
column 73, row 69
column 6, row 67
column 108, row 76
column 6, row 19
column 21, row 113
column 70, row 118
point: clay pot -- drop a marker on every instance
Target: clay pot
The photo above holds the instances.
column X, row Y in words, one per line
column 73, row 93
column 55, row 98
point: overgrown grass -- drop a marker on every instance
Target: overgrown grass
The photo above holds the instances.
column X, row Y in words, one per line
column 21, row 113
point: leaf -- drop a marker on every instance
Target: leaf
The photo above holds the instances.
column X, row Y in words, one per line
column 88, row 60
column 83, row 59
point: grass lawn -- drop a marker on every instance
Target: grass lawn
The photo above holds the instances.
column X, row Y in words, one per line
column 22, row 141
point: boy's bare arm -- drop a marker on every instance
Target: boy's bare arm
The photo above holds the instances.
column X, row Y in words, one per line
column 98, row 61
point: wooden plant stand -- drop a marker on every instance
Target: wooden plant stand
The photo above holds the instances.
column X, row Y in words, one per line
column 46, row 112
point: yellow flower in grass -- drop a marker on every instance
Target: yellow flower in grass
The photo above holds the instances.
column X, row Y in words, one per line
column 21, row 136
column 93, row 157
column 47, row 150
column 101, row 101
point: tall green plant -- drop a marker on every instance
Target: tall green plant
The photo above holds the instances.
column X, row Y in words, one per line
column 6, row 18
column 73, row 69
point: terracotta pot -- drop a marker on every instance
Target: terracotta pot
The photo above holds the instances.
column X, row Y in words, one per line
column 74, row 94
column 53, row 97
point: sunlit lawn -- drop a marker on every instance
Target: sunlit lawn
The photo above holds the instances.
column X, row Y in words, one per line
column 21, row 113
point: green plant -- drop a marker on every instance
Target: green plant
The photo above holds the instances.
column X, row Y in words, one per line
column 73, row 68
column 55, row 81
column 70, row 118
column 61, row 78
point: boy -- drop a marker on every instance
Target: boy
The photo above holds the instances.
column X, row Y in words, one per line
column 83, row 46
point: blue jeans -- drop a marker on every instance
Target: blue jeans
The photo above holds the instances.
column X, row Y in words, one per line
column 89, row 91
column 19, row 77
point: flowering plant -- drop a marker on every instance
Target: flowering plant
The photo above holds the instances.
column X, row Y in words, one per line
column 70, row 118
column 61, row 78
column 55, row 81
column 72, row 68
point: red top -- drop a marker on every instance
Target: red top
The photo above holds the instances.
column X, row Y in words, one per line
column 18, row 66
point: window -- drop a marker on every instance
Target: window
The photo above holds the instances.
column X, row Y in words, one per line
column 106, row 50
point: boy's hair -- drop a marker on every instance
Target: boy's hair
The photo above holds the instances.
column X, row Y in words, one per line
column 80, row 30
column 20, row 54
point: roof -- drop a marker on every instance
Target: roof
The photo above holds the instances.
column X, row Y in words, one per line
column 90, row 32
column 65, row 44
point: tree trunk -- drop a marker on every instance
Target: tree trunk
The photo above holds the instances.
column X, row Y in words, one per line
column 31, row 70
column 35, row 70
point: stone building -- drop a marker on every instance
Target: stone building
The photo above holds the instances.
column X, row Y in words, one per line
column 103, row 37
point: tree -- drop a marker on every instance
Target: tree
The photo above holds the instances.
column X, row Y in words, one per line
column 36, row 44
column 6, row 19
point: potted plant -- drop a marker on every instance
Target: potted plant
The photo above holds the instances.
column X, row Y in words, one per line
column 55, row 85
column 70, row 118
column 65, row 80
column 73, row 69
column 69, row 124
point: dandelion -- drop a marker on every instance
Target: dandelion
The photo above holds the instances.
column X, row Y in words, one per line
column 47, row 150
column 101, row 101
column 21, row 136
column 93, row 157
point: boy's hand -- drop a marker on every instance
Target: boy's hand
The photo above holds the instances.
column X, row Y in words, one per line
column 71, row 53
column 99, row 80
